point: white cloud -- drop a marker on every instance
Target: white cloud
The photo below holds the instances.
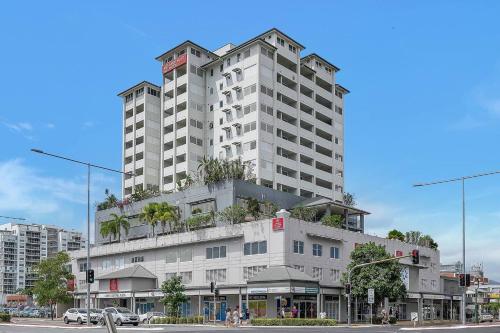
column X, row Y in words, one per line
column 23, row 128
column 26, row 192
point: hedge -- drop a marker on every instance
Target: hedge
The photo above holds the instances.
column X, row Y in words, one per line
column 178, row 320
column 4, row 317
column 292, row 322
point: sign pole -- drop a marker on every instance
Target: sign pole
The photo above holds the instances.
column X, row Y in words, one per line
column 371, row 314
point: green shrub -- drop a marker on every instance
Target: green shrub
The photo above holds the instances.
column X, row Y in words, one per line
column 4, row 317
column 199, row 319
column 392, row 320
column 377, row 320
column 292, row 322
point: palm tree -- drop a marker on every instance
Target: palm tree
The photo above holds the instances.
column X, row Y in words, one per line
column 118, row 222
column 149, row 214
column 349, row 199
column 413, row 237
column 166, row 213
column 105, row 230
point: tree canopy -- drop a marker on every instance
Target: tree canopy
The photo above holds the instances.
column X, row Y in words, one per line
column 174, row 295
column 51, row 287
column 384, row 278
column 396, row 234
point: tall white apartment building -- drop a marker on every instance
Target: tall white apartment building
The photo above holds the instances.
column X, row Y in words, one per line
column 22, row 246
column 261, row 101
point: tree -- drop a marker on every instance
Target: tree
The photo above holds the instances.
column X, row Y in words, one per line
column 349, row 199
column 174, row 295
column 385, row 278
column 233, row 214
column 396, row 234
column 332, row 220
column 118, row 223
column 269, row 208
column 417, row 238
column 428, row 241
column 105, row 230
column 304, row 213
column 413, row 237
column 51, row 287
column 167, row 213
column 149, row 214
column 253, row 208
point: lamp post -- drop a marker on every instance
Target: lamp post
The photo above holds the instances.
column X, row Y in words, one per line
column 88, row 165
column 462, row 180
column 12, row 218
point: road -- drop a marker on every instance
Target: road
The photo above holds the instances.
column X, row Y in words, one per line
column 58, row 327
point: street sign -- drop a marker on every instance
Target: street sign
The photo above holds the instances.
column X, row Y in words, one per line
column 371, row 296
column 414, row 316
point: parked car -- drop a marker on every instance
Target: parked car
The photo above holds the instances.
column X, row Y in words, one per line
column 486, row 317
column 73, row 314
column 123, row 316
column 96, row 316
column 148, row 316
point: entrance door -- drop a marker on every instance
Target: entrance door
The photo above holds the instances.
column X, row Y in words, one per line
column 307, row 309
column 221, row 310
column 332, row 309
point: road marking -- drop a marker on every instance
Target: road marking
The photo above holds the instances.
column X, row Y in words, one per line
column 461, row 327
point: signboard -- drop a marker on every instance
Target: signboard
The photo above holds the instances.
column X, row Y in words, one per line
column 149, row 294
column 257, row 290
column 398, row 253
column 113, row 284
column 457, row 298
column 371, row 296
column 70, row 284
column 405, row 276
column 431, row 296
column 278, row 290
column 278, row 223
column 115, row 295
column 171, row 65
column 413, row 295
column 414, row 316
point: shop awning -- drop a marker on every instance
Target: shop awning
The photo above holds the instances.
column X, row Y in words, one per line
column 136, row 271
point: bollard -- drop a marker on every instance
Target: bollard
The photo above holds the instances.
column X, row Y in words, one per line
column 110, row 324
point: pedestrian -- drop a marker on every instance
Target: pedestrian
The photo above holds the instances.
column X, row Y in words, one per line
column 385, row 320
column 227, row 322
column 236, row 316
column 282, row 313
column 247, row 314
column 295, row 312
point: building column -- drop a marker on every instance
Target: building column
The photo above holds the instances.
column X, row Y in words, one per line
column 239, row 300
column 420, row 311
column 346, row 216
column 318, row 304
column 340, row 307
column 362, row 222
column 442, row 309
column 199, row 302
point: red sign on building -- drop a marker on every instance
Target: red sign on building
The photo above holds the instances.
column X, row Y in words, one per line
column 399, row 253
column 171, row 65
column 70, row 284
column 278, row 223
column 113, row 285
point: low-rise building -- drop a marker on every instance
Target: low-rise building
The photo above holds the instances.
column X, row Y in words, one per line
column 263, row 265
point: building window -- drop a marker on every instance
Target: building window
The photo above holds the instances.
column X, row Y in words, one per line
column 246, row 54
column 168, row 276
column 335, row 275
column 212, row 72
column 317, row 250
column 186, row 254
column 317, row 273
column 171, row 257
column 280, row 41
column 129, row 97
column 250, row 89
column 249, row 127
column 186, row 277
column 250, row 272
column 211, row 107
column 238, row 57
column 266, row 90
column 250, row 145
column 83, row 267
column 266, row 127
column 221, row 68
column 298, row 247
column 215, row 275
column 267, row 109
column 216, row 252
column 334, row 252
column 228, row 62
column 211, row 91
column 221, row 104
column 134, row 260
column 299, row 267
column 249, row 108
column 252, row 248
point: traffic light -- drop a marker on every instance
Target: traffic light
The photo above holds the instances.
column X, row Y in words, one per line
column 212, row 287
column 216, row 292
column 347, row 288
column 462, row 280
column 90, row 276
column 415, row 257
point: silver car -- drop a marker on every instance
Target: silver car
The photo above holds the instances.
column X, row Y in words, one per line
column 123, row 316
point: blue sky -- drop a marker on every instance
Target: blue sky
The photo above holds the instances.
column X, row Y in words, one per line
column 425, row 101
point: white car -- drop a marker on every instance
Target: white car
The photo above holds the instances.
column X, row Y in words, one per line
column 485, row 317
column 148, row 316
column 123, row 316
column 77, row 315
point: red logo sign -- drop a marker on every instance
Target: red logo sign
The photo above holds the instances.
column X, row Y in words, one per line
column 398, row 253
column 278, row 223
column 171, row 65
column 113, row 285
column 70, row 284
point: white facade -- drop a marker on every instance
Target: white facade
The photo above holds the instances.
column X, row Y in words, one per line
column 260, row 101
column 141, row 137
column 233, row 254
column 23, row 245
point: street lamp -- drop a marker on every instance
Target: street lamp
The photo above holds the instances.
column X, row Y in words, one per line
column 460, row 179
column 89, row 165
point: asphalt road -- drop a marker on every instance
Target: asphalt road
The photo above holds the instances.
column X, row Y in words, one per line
column 58, row 327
